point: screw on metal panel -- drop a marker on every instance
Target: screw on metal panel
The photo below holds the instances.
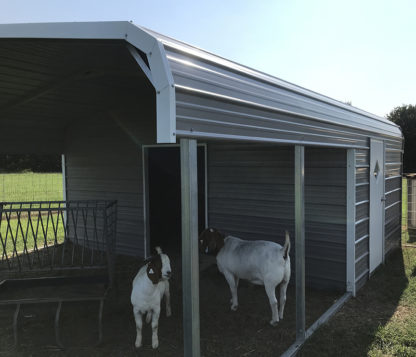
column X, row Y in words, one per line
column 173, row 134
column 192, row 129
column 150, row 53
column 126, row 35
column 158, row 92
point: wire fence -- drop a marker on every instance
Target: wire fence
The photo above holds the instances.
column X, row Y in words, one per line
column 31, row 187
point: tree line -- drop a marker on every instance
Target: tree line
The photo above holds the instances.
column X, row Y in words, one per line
column 405, row 117
column 32, row 163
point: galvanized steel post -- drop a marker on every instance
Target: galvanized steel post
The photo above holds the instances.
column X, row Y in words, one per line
column 300, row 240
column 190, row 264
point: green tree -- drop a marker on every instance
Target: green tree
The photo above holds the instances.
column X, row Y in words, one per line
column 405, row 117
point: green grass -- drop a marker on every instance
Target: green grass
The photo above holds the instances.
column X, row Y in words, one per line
column 22, row 233
column 31, row 187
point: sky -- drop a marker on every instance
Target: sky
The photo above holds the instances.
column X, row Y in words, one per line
column 358, row 51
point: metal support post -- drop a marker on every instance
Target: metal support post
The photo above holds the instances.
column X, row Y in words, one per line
column 300, row 240
column 190, row 264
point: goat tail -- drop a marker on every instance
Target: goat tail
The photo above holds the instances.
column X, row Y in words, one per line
column 286, row 247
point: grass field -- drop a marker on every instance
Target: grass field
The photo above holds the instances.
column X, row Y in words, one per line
column 31, row 187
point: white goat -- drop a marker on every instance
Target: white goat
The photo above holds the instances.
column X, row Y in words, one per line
column 260, row 262
column 149, row 286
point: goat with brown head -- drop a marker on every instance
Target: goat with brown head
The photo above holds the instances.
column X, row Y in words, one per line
column 150, row 285
column 158, row 267
column 211, row 241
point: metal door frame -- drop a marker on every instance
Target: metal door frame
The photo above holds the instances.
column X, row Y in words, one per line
column 146, row 225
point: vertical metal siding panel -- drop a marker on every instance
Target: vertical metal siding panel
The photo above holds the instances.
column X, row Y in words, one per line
column 393, row 207
column 250, row 190
column 250, row 193
column 362, row 217
column 325, row 206
column 102, row 163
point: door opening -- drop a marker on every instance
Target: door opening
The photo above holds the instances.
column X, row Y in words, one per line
column 164, row 196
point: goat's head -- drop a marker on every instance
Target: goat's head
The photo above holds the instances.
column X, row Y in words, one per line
column 211, row 241
column 158, row 267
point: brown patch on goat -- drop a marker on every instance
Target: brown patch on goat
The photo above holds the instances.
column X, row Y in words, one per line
column 154, row 269
column 212, row 239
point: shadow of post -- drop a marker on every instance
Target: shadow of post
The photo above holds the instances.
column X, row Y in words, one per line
column 353, row 330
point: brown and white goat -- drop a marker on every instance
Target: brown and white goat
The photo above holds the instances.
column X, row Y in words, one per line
column 149, row 286
column 260, row 262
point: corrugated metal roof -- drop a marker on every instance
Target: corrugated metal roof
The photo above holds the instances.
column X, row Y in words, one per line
column 212, row 97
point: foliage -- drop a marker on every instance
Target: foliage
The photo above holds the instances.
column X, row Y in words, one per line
column 405, row 117
column 34, row 163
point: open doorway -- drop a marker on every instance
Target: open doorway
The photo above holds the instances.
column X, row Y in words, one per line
column 163, row 185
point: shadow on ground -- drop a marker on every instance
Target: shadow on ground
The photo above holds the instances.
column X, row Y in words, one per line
column 352, row 330
column 245, row 332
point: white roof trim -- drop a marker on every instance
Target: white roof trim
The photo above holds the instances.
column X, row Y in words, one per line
column 119, row 30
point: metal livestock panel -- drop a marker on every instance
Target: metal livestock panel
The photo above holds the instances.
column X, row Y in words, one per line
column 250, row 195
column 102, row 163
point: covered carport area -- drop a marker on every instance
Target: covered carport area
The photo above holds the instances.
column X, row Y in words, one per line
column 116, row 81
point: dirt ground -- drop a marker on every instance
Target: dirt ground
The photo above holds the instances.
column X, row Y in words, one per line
column 244, row 333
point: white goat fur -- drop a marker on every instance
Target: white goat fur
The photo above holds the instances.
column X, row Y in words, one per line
column 261, row 263
column 146, row 298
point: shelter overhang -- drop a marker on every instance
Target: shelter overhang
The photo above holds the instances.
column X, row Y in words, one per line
column 158, row 72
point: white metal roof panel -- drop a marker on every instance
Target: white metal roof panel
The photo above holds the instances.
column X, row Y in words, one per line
column 203, row 95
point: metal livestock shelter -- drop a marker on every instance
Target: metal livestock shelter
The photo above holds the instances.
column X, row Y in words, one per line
column 276, row 155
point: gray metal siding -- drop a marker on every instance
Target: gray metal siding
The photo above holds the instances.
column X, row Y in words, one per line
column 325, row 216
column 362, row 222
column 393, row 193
column 250, row 195
column 392, row 229
column 102, row 163
column 218, row 98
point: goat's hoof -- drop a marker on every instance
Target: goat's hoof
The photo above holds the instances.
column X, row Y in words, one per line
column 168, row 313
column 155, row 344
column 137, row 345
column 274, row 323
column 234, row 307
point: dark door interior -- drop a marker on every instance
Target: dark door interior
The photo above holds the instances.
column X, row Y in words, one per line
column 164, row 184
